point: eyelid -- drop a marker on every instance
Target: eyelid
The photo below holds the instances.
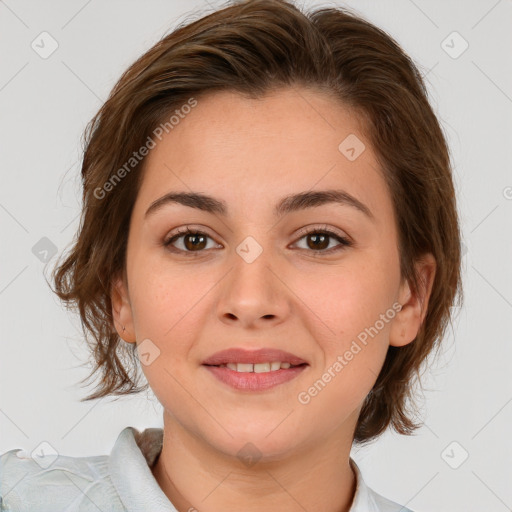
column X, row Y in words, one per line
column 322, row 228
column 302, row 231
column 344, row 241
column 185, row 230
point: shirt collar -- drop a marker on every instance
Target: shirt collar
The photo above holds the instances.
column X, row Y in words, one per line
column 133, row 455
column 129, row 465
column 363, row 498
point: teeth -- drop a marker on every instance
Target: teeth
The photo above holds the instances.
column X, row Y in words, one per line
column 256, row 368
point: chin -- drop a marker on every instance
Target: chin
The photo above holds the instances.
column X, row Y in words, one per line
column 253, row 446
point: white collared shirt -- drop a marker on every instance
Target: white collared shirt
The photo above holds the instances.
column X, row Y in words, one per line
column 122, row 481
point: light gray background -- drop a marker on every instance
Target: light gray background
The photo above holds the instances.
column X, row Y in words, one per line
column 44, row 107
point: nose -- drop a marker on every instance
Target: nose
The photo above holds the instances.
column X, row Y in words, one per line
column 253, row 292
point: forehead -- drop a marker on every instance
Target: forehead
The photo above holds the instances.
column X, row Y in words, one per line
column 252, row 152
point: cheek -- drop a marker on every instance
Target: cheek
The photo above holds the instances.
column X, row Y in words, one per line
column 165, row 309
column 348, row 300
column 353, row 315
column 164, row 302
column 169, row 307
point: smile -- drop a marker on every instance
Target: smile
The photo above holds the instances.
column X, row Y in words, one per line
column 257, row 367
column 255, row 377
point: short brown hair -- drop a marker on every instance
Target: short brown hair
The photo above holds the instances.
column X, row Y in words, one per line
column 253, row 47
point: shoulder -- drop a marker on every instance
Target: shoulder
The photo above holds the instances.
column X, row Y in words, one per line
column 367, row 500
column 55, row 482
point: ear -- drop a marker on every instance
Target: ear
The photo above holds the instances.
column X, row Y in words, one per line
column 408, row 320
column 121, row 310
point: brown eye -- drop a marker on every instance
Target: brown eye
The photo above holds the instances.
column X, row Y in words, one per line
column 193, row 241
column 319, row 240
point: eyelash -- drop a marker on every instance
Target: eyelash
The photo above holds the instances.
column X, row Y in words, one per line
column 344, row 242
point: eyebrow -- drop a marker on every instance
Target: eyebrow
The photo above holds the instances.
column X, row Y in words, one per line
column 287, row 204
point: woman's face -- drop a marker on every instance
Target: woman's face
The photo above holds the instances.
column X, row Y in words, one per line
column 253, row 278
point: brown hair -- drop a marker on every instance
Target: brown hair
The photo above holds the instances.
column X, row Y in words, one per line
column 253, row 47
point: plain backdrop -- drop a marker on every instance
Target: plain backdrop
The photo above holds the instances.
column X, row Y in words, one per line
column 463, row 50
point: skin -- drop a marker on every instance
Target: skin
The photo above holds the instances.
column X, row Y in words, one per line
column 251, row 153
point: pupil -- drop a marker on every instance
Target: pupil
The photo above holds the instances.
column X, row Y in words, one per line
column 195, row 243
column 322, row 238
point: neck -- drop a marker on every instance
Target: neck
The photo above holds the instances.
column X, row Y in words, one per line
column 196, row 476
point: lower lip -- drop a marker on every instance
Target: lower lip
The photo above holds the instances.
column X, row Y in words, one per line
column 250, row 381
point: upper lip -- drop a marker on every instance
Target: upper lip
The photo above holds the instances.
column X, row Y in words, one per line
column 262, row 355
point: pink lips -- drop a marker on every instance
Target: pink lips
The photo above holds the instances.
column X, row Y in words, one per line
column 251, row 381
column 262, row 355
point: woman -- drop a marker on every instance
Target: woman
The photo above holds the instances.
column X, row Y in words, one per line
column 269, row 225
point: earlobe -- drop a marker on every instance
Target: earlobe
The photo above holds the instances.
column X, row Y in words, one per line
column 408, row 321
column 121, row 310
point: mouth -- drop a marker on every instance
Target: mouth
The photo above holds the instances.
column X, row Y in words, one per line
column 254, row 381
column 259, row 359
column 257, row 367
column 254, row 370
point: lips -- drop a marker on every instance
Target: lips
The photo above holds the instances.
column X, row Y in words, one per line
column 263, row 355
